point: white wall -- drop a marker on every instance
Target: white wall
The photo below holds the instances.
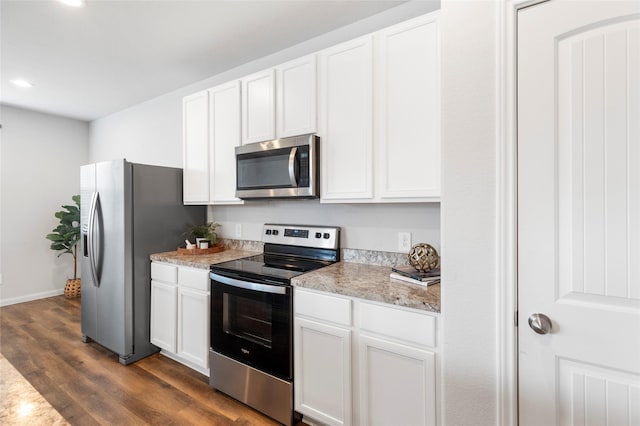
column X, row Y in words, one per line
column 368, row 227
column 152, row 133
column 40, row 171
column 469, row 147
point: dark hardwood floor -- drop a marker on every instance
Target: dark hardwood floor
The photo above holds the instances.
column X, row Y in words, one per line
column 85, row 383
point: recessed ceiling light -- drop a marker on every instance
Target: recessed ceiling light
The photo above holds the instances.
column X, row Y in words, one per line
column 20, row 82
column 74, row 3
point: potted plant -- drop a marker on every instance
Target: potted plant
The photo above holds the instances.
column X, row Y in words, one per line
column 202, row 233
column 64, row 238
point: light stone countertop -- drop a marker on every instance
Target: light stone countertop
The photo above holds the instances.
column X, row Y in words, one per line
column 363, row 281
column 370, row 282
column 203, row 261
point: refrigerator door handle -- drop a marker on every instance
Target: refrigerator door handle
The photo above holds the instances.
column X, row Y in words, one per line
column 90, row 238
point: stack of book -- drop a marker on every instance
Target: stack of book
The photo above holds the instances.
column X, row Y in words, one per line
column 411, row 275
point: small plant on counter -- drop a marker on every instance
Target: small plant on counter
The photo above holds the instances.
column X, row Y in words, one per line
column 64, row 238
column 207, row 232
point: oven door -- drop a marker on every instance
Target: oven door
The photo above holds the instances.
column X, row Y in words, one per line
column 251, row 322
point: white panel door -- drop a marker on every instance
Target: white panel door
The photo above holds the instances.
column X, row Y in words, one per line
column 407, row 110
column 397, row 384
column 579, row 212
column 346, row 111
column 195, row 140
column 164, row 315
column 296, row 99
column 258, row 107
column 193, row 326
column 323, row 372
column 224, row 110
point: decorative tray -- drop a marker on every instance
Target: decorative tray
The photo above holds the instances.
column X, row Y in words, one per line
column 216, row 248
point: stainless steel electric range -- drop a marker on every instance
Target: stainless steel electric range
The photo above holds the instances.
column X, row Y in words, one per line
column 251, row 357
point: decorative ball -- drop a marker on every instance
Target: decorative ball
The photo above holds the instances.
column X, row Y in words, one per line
column 424, row 257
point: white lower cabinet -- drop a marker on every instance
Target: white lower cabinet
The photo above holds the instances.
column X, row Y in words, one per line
column 397, row 383
column 193, row 326
column 323, row 371
column 180, row 306
column 163, row 315
column 363, row 363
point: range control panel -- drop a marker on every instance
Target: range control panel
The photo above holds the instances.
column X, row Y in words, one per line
column 302, row 235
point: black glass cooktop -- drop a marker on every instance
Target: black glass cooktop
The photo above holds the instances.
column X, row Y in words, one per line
column 279, row 267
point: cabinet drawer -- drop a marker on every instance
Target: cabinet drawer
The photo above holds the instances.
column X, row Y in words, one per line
column 194, row 278
column 412, row 327
column 323, row 307
column 164, row 272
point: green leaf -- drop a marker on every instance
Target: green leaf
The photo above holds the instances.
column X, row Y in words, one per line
column 66, row 234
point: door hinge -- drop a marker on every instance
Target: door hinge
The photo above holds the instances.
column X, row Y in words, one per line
column 515, row 319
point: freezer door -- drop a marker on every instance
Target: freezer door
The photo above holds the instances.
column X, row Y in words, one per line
column 107, row 312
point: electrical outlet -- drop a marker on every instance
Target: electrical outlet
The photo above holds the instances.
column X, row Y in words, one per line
column 404, row 241
column 238, row 230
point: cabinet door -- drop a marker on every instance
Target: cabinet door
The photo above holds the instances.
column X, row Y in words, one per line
column 195, row 140
column 407, row 110
column 258, row 107
column 346, row 113
column 296, row 97
column 224, row 114
column 163, row 315
column 397, row 384
column 193, row 326
column 322, row 361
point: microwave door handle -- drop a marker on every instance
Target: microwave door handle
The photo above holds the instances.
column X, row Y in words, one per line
column 292, row 167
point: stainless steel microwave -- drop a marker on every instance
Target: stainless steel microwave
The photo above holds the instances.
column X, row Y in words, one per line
column 282, row 168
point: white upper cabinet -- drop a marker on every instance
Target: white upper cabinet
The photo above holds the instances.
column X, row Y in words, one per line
column 280, row 102
column 195, row 127
column 296, row 100
column 374, row 102
column 379, row 116
column 346, row 111
column 258, row 107
column 406, row 113
column 224, row 119
column 211, row 126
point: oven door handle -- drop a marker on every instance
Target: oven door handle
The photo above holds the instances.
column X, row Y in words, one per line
column 265, row 288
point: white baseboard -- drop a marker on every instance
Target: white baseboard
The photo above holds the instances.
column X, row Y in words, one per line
column 30, row 297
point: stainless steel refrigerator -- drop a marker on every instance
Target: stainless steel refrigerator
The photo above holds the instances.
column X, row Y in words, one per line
column 128, row 211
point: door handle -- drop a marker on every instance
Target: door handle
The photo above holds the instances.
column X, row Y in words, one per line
column 540, row 323
column 90, row 238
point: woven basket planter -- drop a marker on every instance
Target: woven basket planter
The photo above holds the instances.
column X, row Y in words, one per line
column 72, row 288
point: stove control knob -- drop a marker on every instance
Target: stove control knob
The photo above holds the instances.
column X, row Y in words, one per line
column 268, row 232
column 326, row 236
column 318, row 235
column 275, row 232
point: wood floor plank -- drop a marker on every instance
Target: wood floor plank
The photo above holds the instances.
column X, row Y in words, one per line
column 85, row 383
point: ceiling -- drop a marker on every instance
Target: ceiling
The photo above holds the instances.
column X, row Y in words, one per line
column 91, row 61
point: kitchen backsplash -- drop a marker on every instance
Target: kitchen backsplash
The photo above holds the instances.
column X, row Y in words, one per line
column 369, row 257
column 247, row 245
